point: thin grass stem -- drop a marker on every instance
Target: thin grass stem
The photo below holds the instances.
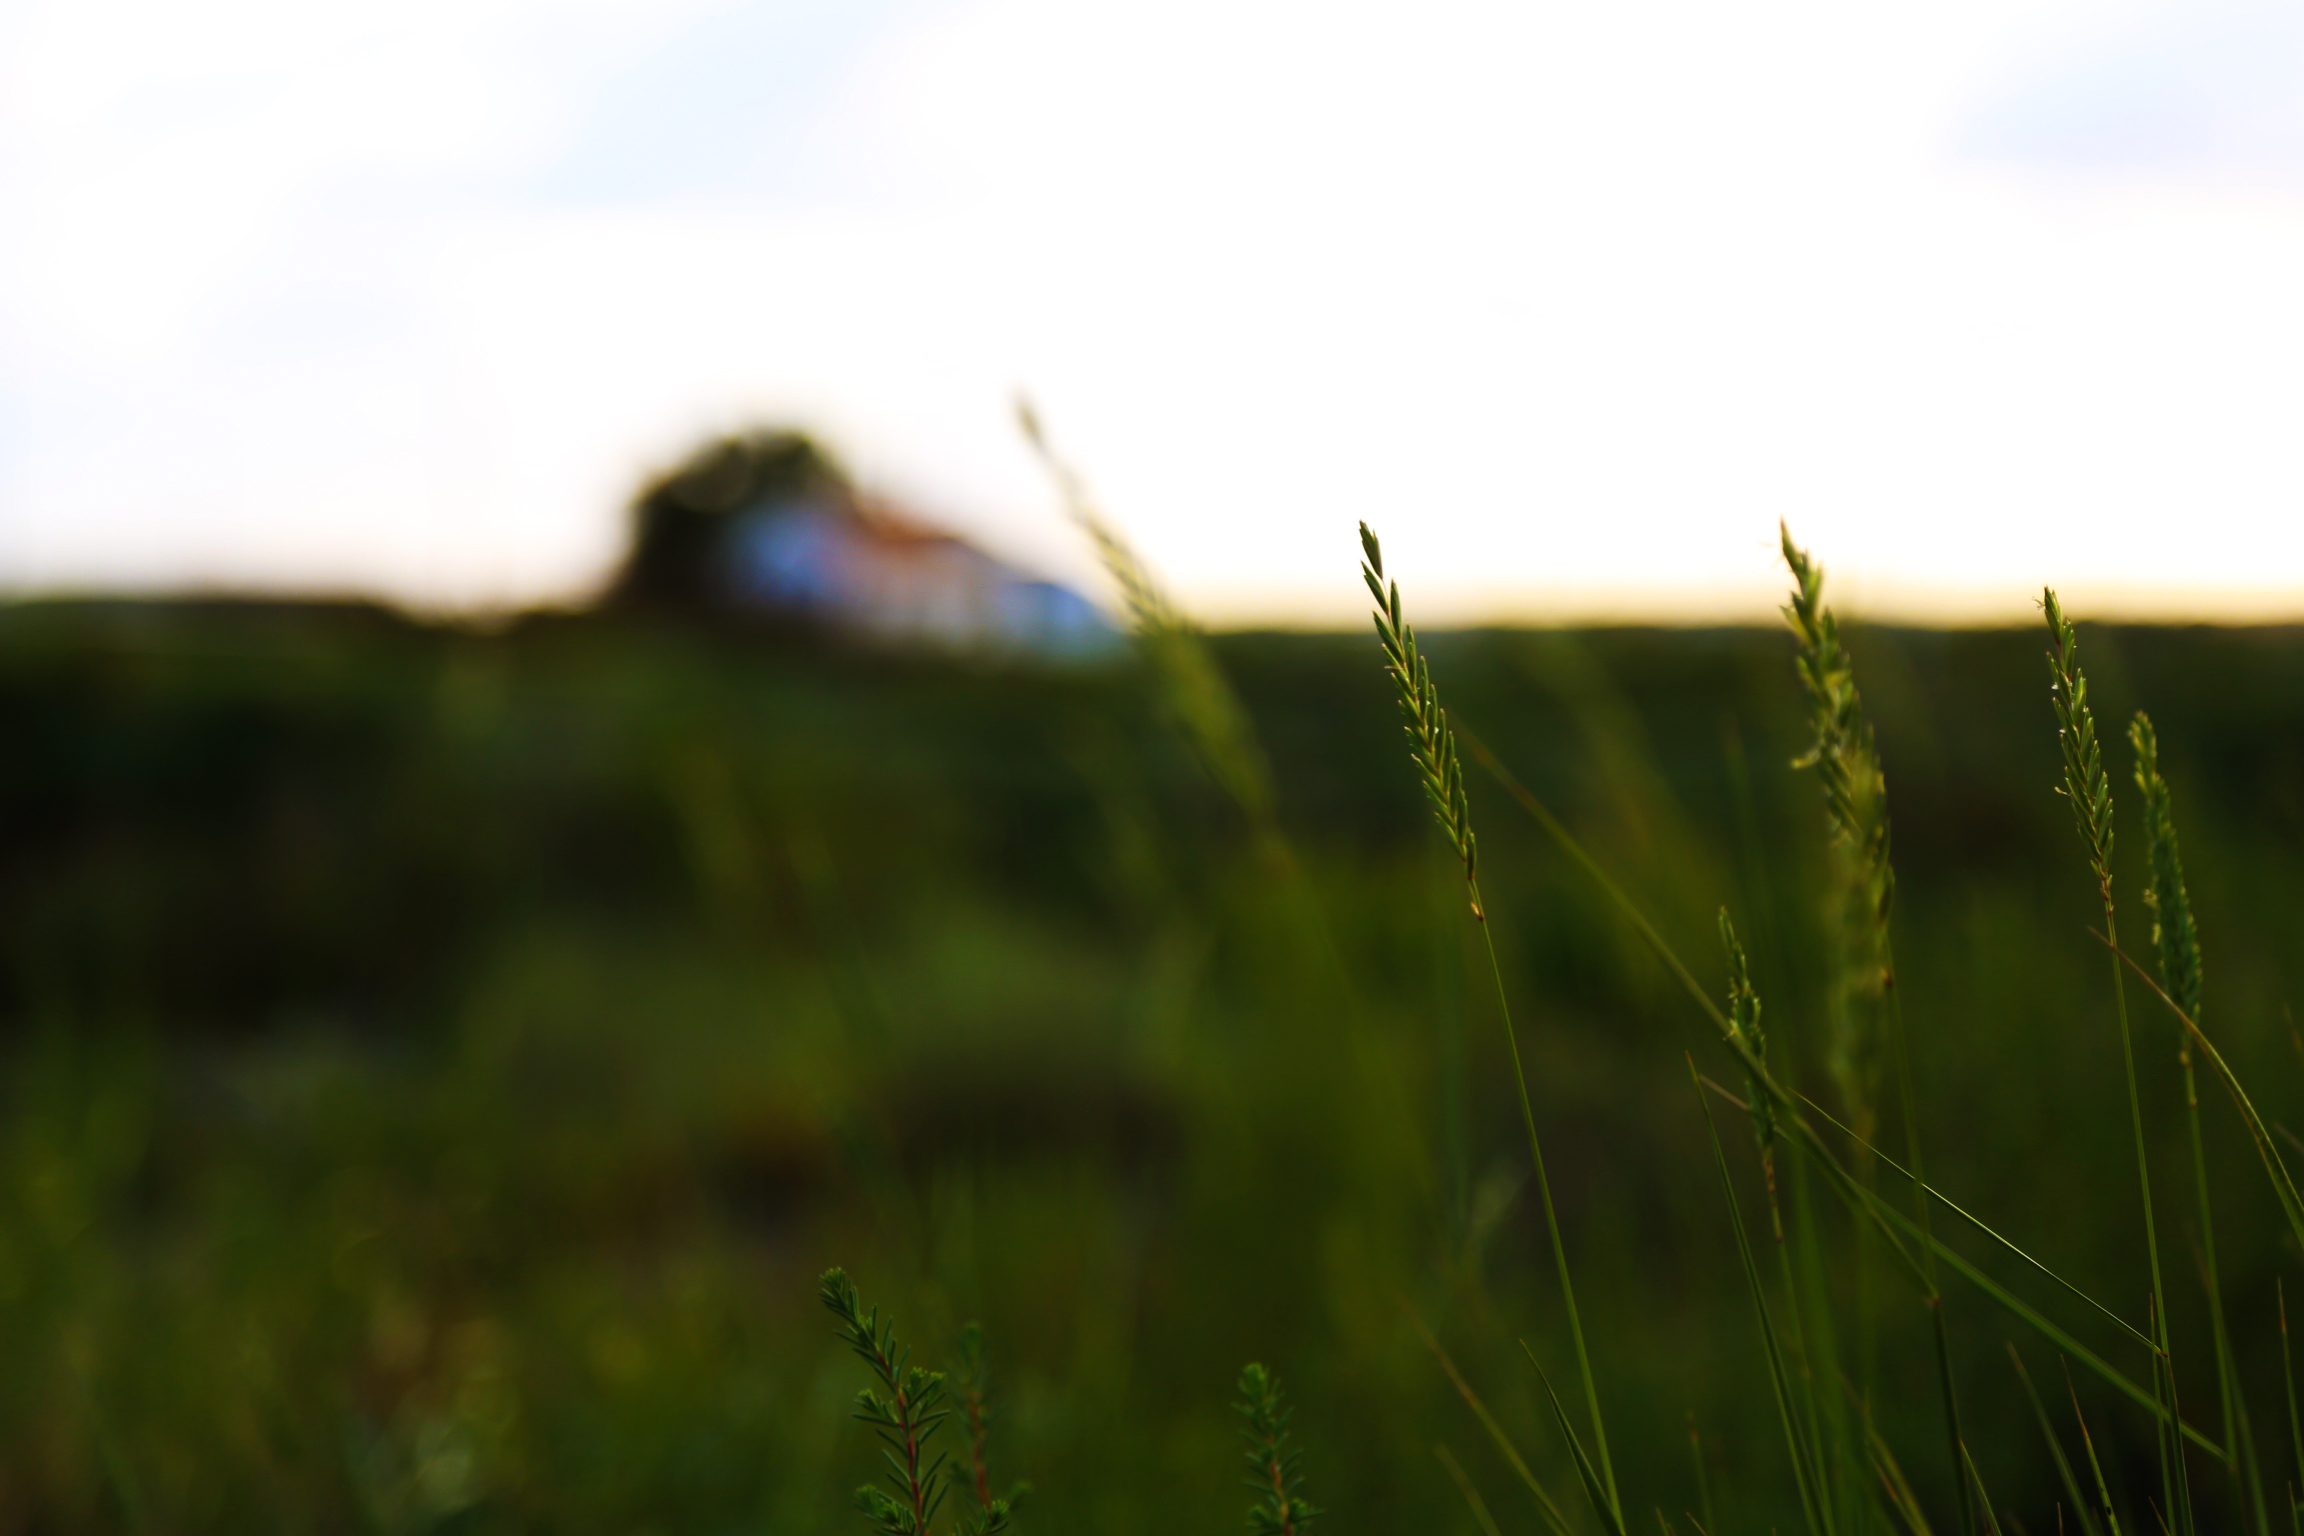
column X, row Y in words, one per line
column 1594, row 1492
column 1805, row 1471
column 2064, row 1472
column 1895, row 1487
column 2275, row 1168
column 2295, row 1423
column 1552, row 1222
column 1432, row 743
column 1545, row 1504
column 1982, row 1226
column 2089, row 792
column 2095, row 1467
column 1703, row 1477
column 1863, row 1202
column 1478, row 1505
column 2176, row 937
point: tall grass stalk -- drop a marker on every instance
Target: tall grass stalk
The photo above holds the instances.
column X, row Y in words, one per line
column 2089, row 792
column 1432, row 746
column 1847, row 763
column 1863, row 881
column 1890, row 1226
column 1193, row 688
column 1478, row 1505
column 2177, row 940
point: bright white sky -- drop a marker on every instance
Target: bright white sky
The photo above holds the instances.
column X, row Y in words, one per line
column 1571, row 300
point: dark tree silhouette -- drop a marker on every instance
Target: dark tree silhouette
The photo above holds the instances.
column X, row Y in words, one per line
column 680, row 520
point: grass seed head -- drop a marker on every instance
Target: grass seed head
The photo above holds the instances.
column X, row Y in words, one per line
column 1745, row 1029
column 1842, row 751
column 2173, row 933
column 1193, row 688
column 1431, row 743
column 2086, row 785
column 1846, row 758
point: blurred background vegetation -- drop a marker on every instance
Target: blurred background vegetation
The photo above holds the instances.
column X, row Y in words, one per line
column 439, row 1061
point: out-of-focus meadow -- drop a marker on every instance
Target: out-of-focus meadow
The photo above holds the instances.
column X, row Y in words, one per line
column 439, row 1062
column 449, row 1028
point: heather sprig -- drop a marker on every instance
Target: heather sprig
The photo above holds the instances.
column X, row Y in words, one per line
column 1275, row 1471
column 992, row 1511
column 905, row 1410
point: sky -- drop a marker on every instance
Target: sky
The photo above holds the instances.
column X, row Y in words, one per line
column 1572, row 302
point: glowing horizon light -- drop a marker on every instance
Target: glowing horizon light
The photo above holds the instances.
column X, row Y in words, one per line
column 1572, row 303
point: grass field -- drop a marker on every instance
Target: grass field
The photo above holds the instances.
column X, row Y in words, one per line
column 439, row 1065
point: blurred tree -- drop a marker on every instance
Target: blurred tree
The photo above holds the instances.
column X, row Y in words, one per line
column 681, row 521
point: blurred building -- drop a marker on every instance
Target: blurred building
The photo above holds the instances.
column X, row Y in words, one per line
column 765, row 527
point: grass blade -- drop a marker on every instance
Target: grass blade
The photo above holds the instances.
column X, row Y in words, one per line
column 2295, row 1424
column 1804, row 1468
column 2055, row 1447
column 1703, row 1478
column 2088, row 1443
column 2071, row 1348
column 1983, row 1498
column 1895, row 1488
column 2283, row 1185
column 1803, row 1135
column 1480, row 1515
column 1594, row 1490
column 1980, row 1225
column 1895, row 1220
column 1544, row 1501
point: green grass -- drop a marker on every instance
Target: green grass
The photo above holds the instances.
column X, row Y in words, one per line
column 440, row 1064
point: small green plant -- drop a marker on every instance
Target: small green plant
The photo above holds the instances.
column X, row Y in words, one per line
column 906, row 1409
column 1280, row 1508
